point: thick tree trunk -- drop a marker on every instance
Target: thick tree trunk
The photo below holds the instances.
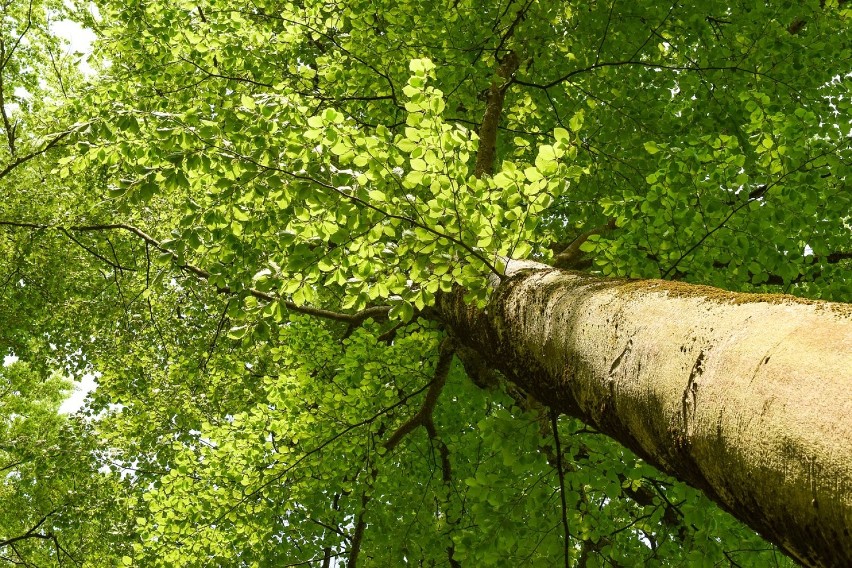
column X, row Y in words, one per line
column 747, row 397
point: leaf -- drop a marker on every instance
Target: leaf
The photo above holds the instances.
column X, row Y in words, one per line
column 576, row 121
column 237, row 332
column 532, row 174
column 406, row 145
column 239, row 214
column 421, row 66
column 545, row 162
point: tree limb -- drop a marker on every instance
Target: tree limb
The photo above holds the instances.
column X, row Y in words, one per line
column 23, row 159
column 424, row 415
column 424, row 418
column 554, row 424
column 31, row 533
column 571, row 254
column 376, row 312
column 487, row 152
column 360, row 527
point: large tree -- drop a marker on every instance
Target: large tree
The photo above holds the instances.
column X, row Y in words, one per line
column 286, row 235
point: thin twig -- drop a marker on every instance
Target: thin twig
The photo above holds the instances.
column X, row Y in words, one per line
column 554, row 419
column 357, row 318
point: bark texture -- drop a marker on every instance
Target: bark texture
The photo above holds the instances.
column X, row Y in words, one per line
column 747, row 397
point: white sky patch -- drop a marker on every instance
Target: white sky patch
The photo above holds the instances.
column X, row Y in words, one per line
column 80, row 40
column 74, row 402
column 10, row 360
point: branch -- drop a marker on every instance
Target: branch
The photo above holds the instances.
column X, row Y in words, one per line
column 447, row 478
column 650, row 65
column 554, row 425
column 778, row 280
column 23, row 159
column 343, row 50
column 10, row 132
column 360, row 527
column 570, row 255
column 353, row 319
column 96, row 254
column 519, row 17
column 442, row 369
column 753, row 196
column 226, row 77
column 31, row 533
column 799, row 23
column 424, row 418
column 836, row 257
column 494, row 108
column 357, row 200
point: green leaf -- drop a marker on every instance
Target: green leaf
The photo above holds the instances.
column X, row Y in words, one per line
column 576, row 121
column 376, row 195
column 545, row 162
column 421, row 66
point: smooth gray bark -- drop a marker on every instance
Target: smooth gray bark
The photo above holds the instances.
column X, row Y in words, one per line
column 747, row 397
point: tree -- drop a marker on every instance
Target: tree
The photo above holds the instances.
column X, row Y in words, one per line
column 722, row 395
column 56, row 508
column 290, row 230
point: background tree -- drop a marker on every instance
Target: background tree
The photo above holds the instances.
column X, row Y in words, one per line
column 58, row 510
column 267, row 199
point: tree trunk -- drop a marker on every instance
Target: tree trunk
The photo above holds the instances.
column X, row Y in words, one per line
column 747, row 397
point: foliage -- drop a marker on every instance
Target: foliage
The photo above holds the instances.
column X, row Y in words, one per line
column 244, row 220
column 56, row 507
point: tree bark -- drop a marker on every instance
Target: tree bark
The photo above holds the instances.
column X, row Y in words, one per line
column 747, row 397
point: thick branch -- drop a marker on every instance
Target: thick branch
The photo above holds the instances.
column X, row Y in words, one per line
column 571, row 254
column 424, row 418
column 836, row 257
column 10, row 131
column 424, row 415
column 494, row 108
column 358, row 533
column 799, row 23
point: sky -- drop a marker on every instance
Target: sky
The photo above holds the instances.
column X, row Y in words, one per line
column 79, row 38
column 81, row 389
column 74, row 402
